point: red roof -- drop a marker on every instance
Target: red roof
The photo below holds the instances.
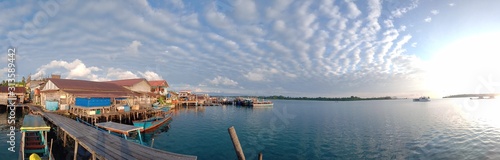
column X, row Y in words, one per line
column 72, row 84
column 127, row 82
column 158, row 83
column 5, row 89
column 90, row 88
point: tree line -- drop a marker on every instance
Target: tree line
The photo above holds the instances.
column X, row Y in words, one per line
column 351, row 98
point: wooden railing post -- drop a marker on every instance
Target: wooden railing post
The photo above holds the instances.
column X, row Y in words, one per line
column 236, row 143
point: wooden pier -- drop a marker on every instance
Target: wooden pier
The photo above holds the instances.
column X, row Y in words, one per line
column 108, row 114
column 102, row 145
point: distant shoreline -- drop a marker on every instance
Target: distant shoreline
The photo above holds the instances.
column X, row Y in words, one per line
column 352, row 98
column 471, row 95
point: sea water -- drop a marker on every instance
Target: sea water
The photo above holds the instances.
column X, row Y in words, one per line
column 383, row 129
column 291, row 129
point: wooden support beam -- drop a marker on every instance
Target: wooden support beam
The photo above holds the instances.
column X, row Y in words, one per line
column 64, row 139
column 76, row 149
column 236, row 143
column 22, row 141
column 51, row 144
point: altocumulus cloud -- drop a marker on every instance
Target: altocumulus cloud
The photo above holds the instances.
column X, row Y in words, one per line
column 300, row 47
column 219, row 80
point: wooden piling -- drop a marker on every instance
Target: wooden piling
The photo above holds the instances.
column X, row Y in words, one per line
column 260, row 156
column 76, row 149
column 64, row 138
column 152, row 142
column 51, row 144
column 236, row 143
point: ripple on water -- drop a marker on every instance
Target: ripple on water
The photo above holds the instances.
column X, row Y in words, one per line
column 344, row 130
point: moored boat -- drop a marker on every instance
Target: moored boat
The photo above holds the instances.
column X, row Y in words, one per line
column 243, row 101
column 34, row 138
column 263, row 103
column 422, row 99
column 153, row 123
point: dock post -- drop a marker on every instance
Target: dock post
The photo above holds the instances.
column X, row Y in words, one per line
column 50, row 152
column 236, row 143
column 64, row 138
column 260, row 156
column 23, row 135
column 76, row 149
column 152, row 142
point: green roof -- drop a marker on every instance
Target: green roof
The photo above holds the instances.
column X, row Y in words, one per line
column 34, row 123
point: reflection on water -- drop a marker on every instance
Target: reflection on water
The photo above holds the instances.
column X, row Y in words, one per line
column 149, row 136
column 5, row 129
column 391, row 129
column 394, row 129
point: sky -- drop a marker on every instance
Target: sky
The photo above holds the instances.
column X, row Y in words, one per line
column 368, row 48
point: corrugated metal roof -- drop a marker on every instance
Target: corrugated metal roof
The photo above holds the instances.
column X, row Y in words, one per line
column 5, row 89
column 145, row 93
column 99, row 94
column 157, row 83
column 127, row 82
column 72, row 84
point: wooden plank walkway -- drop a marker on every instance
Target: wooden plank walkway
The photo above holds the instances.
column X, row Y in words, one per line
column 104, row 145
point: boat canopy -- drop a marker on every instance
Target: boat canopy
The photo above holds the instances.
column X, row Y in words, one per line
column 118, row 127
column 34, row 123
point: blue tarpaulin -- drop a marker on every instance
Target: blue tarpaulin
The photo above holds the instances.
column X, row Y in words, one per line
column 93, row 102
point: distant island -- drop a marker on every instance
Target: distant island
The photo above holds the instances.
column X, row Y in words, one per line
column 491, row 95
column 351, row 98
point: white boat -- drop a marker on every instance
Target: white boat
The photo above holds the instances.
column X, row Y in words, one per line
column 257, row 103
column 422, row 99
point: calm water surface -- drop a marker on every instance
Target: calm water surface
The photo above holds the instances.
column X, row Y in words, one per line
column 392, row 129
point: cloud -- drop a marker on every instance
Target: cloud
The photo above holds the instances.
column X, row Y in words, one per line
column 255, row 76
column 303, row 47
column 74, row 70
column 414, row 44
column 262, row 75
column 117, row 73
column 396, row 9
column 219, row 80
column 78, row 70
column 246, row 11
column 428, row 19
column 434, row 12
column 3, row 73
column 133, row 48
column 353, row 10
column 177, row 3
column 451, row 4
column 150, row 75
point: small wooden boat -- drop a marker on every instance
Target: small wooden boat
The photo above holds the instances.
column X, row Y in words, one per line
column 34, row 138
column 153, row 123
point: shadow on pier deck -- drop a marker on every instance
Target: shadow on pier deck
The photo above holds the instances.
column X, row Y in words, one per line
column 103, row 145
